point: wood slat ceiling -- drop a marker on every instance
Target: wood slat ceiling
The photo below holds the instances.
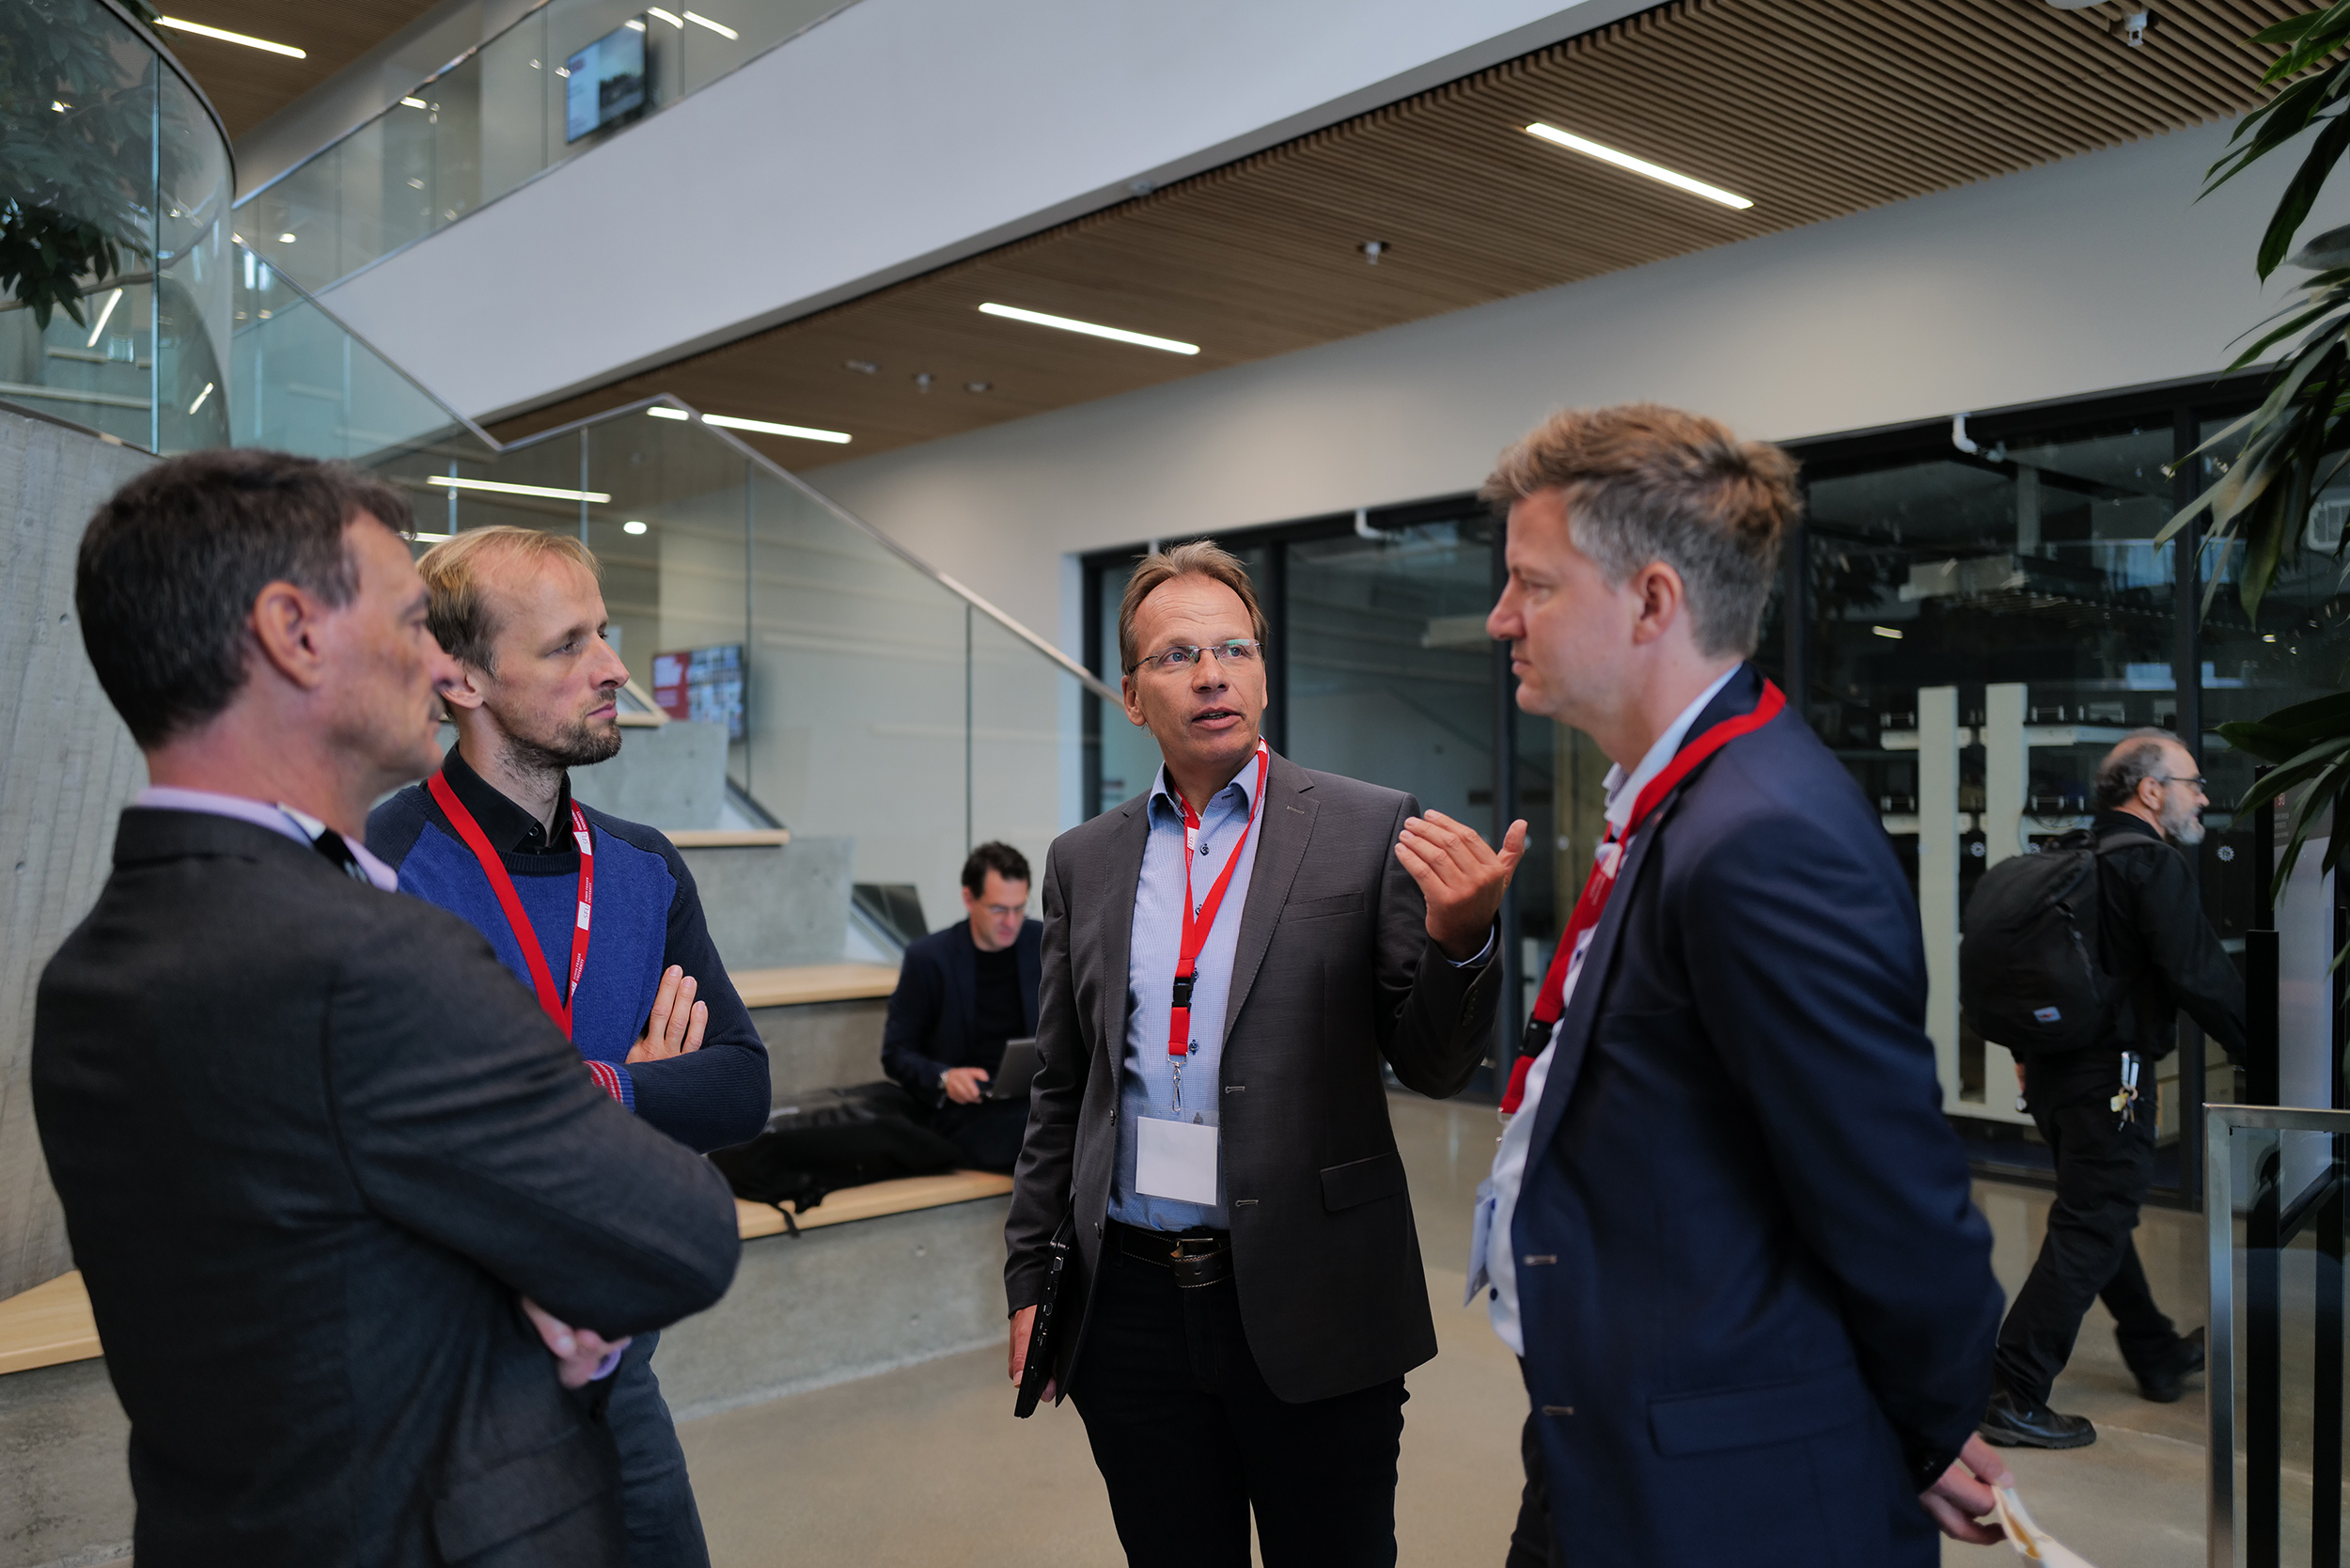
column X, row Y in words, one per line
column 248, row 85
column 1812, row 109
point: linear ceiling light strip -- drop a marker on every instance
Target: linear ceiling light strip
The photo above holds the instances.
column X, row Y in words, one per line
column 498, row 487
column 1657, row 172
column 201, row 31
column 1065, row 324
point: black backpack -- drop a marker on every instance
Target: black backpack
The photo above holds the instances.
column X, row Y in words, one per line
column 2031, row 975
column 835, row 1139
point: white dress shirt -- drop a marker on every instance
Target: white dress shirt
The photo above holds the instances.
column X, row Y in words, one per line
column 1498, row 1263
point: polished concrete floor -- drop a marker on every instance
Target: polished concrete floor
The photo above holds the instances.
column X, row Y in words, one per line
column 926, row 1465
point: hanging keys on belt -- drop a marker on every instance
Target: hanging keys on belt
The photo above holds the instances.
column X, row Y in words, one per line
column 2125, row 1103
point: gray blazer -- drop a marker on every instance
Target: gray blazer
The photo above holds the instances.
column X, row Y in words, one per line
column 312, row 1141
column 1333, row 974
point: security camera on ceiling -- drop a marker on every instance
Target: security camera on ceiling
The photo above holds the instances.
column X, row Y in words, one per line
column 2130, row 29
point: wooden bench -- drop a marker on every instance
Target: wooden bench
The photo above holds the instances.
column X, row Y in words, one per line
column 51, row 1325
column 804, row 983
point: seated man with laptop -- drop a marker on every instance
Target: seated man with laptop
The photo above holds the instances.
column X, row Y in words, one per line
column 964, row 995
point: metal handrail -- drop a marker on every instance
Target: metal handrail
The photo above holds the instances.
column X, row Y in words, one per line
column 1084, row 677
column 2274, row 1222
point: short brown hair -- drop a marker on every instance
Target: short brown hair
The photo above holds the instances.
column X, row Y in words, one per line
column 461, row 617
column 1643, row 483
column 997, row 856
column 171, row 564
column 1201, row 558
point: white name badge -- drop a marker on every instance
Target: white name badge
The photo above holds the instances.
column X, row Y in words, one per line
column 1175, row 1159
column 1480, row 1240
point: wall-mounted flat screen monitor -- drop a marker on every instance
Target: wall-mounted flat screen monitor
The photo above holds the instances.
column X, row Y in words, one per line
column 605, row 81
column 704, row 683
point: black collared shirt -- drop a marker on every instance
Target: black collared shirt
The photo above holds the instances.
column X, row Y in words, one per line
column 506, row 824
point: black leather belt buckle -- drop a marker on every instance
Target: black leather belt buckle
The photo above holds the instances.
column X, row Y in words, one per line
column 1196, row 1269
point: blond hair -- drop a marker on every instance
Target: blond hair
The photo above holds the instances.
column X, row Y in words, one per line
column 1201, row 558
column 1642, row 483
column 461, row 616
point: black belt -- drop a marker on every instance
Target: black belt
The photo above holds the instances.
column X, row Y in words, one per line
column 1198, row 1258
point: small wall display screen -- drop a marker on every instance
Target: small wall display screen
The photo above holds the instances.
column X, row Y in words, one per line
column 606, row 82
column 704, row 683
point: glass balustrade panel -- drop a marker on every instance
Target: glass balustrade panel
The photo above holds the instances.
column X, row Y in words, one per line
column 1025, row 749
column 195, row 274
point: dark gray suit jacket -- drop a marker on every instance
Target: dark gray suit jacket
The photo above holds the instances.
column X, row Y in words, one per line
column 312, row 1142
column 1334, row 972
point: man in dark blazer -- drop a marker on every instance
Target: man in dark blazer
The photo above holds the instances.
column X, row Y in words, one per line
column 962, row 994
column 1731, row 1234
column 1229, row 960
column 336, row 1187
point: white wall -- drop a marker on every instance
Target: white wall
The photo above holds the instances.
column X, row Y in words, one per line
column 2098, row 273
column 900, row 134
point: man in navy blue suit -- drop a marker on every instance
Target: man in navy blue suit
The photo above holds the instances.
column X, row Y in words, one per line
column 1730, row 1234
column 963, row 993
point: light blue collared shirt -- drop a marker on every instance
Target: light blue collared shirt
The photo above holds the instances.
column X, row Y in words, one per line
column 1146, row 1083
column 278, row 818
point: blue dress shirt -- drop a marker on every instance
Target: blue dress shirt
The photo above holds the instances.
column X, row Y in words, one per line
column 1145, row 1085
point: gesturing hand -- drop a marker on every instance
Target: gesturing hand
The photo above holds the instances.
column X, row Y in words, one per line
column 676, row 1022
column 578, row 1352
column 1461, row 879
column 1964, row 1494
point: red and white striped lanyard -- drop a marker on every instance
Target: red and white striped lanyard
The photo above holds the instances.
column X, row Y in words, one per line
column 525, row 936
column 1199, row 922
column 1550, row 1003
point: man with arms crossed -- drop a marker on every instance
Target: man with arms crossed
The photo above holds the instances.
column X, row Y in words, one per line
column 617, row 932
column 319, row 1156
column 1227, row 959
column 1729, row 1231
column 963, row 993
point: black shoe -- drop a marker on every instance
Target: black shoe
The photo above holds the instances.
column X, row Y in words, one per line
column 2164, row 1380
column 2015, row 1422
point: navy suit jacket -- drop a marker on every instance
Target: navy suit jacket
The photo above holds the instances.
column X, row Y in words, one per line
column 1757, row 1296
column 936, row 1006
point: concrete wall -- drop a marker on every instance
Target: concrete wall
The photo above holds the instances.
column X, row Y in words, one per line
column 769, row 906
column 821, row 1045
column 2100, row 272
column 66, row 769
column 981, row 123
column 673, row 776
column 65, row 1493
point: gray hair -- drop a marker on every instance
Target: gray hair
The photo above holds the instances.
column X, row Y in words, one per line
column 1643, row 483
column 2135, row 758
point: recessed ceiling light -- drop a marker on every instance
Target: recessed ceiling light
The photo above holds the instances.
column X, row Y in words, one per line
column 413, row 102
column 498, row 487
column 862, row 367
column 978, row 386
column 718, row 28
column 665, row 412
column 1887, row 632
column 1116, row 335
column 201, row 31
column 798, row 432
column 632, row 527
column 1637, row 165
column 287, row 237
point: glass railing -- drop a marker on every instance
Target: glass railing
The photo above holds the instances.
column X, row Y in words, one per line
column 865, row 698
column 2274, row 1204
column 115, row 187
column 567, row 77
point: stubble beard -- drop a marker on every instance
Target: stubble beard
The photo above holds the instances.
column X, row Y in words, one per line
column 576, row 745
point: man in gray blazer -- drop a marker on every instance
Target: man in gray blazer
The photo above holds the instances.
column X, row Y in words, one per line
column 337, row 1187
column 1227, row 962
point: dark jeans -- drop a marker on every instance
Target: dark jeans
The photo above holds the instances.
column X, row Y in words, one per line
column 1534, row 1543
column 2103, row 1171
column 1190, row 1440
column 665, row 1529
column 989, row 1134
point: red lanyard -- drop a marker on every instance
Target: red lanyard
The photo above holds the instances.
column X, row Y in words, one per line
column 556, row 1007
column 1199, row 922
column 1550, row 1002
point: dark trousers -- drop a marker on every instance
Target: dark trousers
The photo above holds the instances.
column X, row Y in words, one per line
column 2103, row 1170
column 1533, row 1541
column 665, row 1529
column 989, row 1134
column 1190, row 1440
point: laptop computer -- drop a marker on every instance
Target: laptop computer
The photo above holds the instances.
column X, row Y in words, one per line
column 1017, row 1070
